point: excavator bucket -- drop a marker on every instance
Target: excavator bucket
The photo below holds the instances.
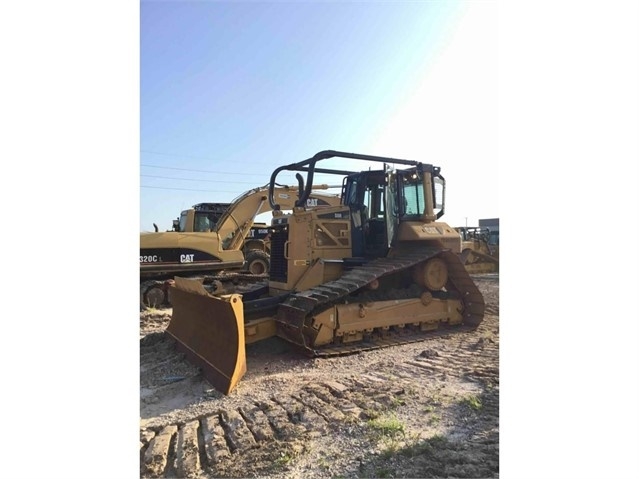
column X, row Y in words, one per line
column 209, row 330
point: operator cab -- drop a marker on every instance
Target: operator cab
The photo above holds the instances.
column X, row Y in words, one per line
column 207, row 215
column 365, row 194
column 379, row 200
column 201, row 218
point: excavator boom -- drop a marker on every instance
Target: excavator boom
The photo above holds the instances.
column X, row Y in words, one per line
column 235, row 223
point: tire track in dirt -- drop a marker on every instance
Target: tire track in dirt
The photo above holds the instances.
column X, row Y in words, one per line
column 170, row 451
column 202, row 446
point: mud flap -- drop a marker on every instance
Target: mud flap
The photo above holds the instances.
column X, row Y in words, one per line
column 209, row 330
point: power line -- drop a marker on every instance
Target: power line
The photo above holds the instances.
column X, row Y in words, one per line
column 187, row 189
column 200, row 171
column 179, row 156
column 188, row 156
column 280, row 179
column 197, row 179
column 205, row 191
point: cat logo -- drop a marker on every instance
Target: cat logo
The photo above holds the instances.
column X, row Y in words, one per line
column 186, row 258
column 311, row 202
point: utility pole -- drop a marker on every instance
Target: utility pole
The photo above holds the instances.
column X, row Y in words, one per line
column 466, row 221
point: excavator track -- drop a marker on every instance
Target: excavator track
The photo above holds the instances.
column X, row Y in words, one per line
column 295, row 313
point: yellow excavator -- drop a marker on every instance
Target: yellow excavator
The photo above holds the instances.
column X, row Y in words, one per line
column 377, row 270
column 212, row 237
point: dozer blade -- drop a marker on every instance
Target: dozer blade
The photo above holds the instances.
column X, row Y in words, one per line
column 210, row 332
column 485, row 257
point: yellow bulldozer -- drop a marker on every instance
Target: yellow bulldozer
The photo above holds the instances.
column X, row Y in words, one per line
column 377, row 270
column 213, row 237
column 480, row 249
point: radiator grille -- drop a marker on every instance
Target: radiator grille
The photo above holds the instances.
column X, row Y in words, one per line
column 279, row 270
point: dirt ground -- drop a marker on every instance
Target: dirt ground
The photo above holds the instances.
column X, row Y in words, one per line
column 426, row 409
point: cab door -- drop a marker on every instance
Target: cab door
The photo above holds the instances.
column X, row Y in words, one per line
column 391, row 204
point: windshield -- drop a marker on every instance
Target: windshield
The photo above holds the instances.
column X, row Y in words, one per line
column 414, row 202
column 202, row 222
column 183, row 221
column 413, row 195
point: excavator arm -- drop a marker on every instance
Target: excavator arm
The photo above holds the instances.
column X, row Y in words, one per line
column 236, row 222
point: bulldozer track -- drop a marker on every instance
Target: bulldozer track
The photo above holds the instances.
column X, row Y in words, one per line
column 296, row 311
column 394, row 338
column 205, row 445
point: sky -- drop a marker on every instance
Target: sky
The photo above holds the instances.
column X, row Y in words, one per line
column 542, row 95
column 231, row 91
